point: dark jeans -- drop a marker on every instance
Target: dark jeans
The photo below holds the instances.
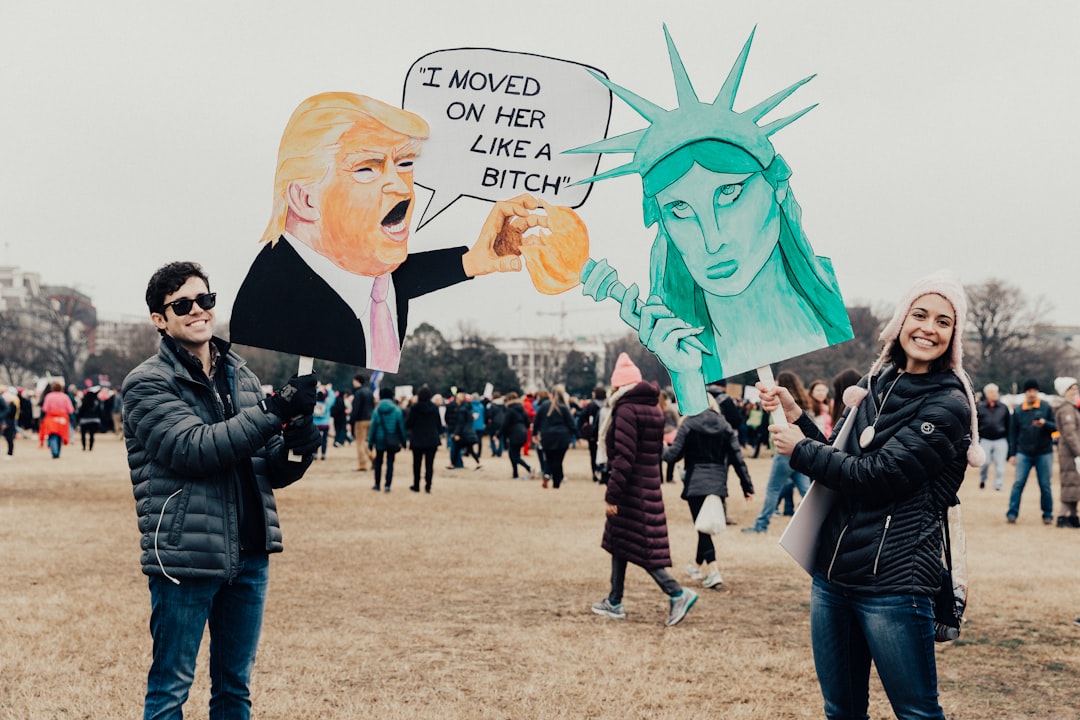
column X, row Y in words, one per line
column 848, row 629
column 378, row 465
column 178, row 615
column 554, row 460
column 514, row 451
column 496, row 441
column 324, row 437
column 427, row 456
column 706, row 551
column 1044, row 467
column 668, row 584
column 462, row 446
column 88, row 430
column 55, row 442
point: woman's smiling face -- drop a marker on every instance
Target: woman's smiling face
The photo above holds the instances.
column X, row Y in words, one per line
column 927, row 331
column 724, row 225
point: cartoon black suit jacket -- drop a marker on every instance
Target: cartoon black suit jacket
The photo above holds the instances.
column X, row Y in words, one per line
column 284, row 305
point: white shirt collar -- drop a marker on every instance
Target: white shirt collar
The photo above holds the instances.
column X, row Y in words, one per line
column 354, row 289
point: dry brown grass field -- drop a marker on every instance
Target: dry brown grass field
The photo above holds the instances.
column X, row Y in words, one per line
column 473, row 602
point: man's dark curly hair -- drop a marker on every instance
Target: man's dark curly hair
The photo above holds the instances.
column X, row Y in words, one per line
column 168, row 279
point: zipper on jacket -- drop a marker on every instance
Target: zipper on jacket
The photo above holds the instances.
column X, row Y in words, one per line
column 888, row 521
column 836, row 551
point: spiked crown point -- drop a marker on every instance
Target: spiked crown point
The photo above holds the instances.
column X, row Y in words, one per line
column 693, row 120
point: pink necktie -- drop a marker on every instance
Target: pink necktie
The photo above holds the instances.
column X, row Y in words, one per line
column 385, row 351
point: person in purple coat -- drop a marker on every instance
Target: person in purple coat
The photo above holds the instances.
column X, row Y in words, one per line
column 636, row 527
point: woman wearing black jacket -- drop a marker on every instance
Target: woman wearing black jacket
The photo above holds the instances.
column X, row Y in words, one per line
column 878, row 558
column 515, row 431
column 424, row 428
column 708, row 445
column 554, row 425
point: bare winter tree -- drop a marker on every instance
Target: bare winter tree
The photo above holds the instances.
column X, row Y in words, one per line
column 1007, row 348
column 58, row 340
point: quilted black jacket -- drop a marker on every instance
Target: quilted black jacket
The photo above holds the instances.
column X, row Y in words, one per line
column 883, row 535
column 183, row 455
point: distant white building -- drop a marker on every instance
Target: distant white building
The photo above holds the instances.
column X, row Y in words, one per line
column 17, row 287
column 538, row 362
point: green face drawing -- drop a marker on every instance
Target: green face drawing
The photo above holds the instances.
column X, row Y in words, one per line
column 724, row 225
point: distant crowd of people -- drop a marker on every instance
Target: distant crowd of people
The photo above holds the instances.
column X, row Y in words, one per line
column 54, row 411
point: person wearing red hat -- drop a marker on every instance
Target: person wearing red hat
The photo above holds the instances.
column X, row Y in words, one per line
column 636, row 527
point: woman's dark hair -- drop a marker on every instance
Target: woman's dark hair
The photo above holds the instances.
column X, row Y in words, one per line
column 843, row 380
column 386, row 394
column 794, row 385
column 424, row 393
column 168, row 279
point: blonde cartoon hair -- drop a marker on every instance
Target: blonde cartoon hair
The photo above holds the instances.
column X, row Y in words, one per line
column 310, row 141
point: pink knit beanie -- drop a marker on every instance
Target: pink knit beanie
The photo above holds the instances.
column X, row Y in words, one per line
column 625, row 373
column 947, row 285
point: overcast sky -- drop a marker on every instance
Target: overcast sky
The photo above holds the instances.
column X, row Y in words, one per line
column 135, row 133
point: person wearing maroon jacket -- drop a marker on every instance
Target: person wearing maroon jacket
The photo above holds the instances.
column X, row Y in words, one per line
column 636, row 527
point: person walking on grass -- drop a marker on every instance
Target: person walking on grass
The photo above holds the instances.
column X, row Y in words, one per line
column 636, row 527
column 56, row 411
column 425, row 428
column 463, row 434
column 386, row 436
column 206, row 452
column 1068, row 423
column 1031, row 446
column 707, row 445
column 515, row 430
column 554, row 425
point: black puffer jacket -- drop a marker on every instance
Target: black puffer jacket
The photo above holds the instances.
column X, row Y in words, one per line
column 554, row 427
column 424, row 425
column 883, row 535
column 709, row 445
column 185, row 456
column 515, row 425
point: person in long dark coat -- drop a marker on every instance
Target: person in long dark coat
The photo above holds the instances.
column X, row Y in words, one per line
column 636, row 528
column 515, row 430
column 424, row 427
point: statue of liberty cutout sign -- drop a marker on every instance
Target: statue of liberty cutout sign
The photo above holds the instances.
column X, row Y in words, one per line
column 734, row 284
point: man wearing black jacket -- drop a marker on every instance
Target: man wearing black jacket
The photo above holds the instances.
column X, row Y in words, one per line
column 206, row 452
column 1031, row 446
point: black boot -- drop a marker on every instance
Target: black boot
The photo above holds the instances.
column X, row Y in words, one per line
column 1074, row 521
column 1062, row 521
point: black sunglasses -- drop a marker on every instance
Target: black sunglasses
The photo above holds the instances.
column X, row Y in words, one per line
column 183, row 306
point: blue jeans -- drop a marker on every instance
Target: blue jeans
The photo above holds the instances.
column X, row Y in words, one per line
column 496, row 444
column 178, row 615
column 1044, row 465
column 780, row 476
column 849, row 629
column 55, row 442
column 997, row 451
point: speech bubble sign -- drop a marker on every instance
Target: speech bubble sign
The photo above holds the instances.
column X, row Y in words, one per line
column 500, row 122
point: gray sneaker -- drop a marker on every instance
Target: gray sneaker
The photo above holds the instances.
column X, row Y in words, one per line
column 680, row 606
column 605, row 608
column 712, row 580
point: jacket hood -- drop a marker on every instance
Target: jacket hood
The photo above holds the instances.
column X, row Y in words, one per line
column 386, row 406
column 708, row 422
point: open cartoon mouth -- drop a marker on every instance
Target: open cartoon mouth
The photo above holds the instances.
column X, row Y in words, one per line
column 394, row 223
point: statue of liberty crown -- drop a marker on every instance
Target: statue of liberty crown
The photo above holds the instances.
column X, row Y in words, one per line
column 693, row 120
